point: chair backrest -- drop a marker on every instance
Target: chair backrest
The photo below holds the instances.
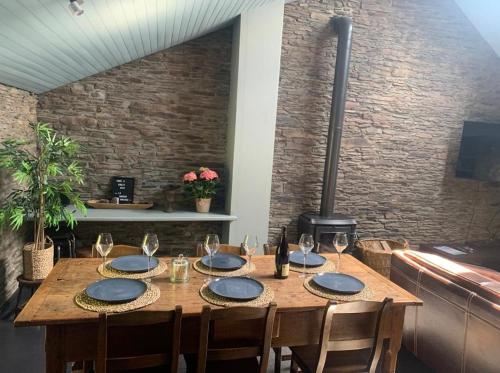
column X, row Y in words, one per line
column 168, row 324
column 381, row 314
column 223, row 248
column 271, row 250
column 119, row 250
column 242, row 348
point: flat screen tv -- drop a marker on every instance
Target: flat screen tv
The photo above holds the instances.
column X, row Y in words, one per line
column 479, row 156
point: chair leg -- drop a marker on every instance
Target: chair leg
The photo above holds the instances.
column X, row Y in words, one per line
column 277, row 359
column 18, row 299
column 294, row 368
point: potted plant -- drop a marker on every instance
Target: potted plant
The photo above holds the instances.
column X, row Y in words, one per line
column 202, row 186
column 46, row 172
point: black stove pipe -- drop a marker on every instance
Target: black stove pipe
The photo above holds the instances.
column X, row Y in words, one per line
column 342, row 26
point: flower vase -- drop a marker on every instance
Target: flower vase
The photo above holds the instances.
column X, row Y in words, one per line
column 203, row 204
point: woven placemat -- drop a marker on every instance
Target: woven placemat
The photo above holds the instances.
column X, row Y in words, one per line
column 328, row 266
column 263, row 299
column 365, row 294
column 106, row 271
column 149, row 297
column 200, row 267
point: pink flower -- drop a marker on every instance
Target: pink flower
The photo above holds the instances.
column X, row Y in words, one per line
column 189, row 177
column 208, row 174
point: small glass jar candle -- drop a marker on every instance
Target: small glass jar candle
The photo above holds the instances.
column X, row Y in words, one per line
column 179, row 271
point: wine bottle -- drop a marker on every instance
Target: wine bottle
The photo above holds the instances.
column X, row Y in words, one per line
column 281, row 257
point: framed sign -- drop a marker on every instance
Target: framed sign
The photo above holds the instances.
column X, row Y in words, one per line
column 123, row 188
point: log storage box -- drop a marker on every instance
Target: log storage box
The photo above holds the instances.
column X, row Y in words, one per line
column 376, row 253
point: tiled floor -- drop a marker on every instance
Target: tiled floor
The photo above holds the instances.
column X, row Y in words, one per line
column 21, row 351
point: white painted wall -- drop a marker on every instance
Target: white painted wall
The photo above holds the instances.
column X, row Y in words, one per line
column 252, row 120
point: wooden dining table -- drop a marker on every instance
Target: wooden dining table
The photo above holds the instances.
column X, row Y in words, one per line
column 71, row 332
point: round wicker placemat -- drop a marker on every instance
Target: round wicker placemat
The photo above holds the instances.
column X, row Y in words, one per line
column 263, row 299
column 149, row 297
column 365, row 294
column 200, row 267
column 326, row 267
column 106, row 271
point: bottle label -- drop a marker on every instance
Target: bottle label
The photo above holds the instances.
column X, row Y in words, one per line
column 285, row 269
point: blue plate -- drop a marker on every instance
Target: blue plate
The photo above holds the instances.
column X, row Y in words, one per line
column 116, row 290
column 313, row 259
column 338, row 283
column 227, row 262
column 237, row 288
column 133, row 263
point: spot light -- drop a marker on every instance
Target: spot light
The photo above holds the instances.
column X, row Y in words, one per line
column 75, row 7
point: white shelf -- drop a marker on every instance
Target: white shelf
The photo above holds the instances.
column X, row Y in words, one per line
column 149, row 215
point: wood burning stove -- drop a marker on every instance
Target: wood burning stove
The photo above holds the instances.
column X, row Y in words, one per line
column 324, row 225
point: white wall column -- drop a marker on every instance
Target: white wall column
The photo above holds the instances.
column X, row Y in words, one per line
column 252, row 119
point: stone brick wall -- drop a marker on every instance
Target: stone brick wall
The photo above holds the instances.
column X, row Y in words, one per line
column 419, row 69
column 17, row 109
column 152, row 119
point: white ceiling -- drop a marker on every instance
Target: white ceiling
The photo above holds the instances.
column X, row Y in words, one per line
column 43, row 46
column 485, row 16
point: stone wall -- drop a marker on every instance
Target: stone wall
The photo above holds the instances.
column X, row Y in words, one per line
column 152, row 119
column 419, row 69
column 17, row 109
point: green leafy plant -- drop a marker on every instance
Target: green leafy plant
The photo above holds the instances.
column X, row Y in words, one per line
column 202, row 183
column 46, row 172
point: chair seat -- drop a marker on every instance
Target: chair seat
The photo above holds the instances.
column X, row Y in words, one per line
column 336, row 362
column 249, row 365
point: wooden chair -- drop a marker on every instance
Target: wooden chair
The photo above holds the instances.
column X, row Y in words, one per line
column 220, row 355
column 167, row 354
column 223, row 248
column 119, row 250
column 335, row 353
column 271, row 250
column 278, row 353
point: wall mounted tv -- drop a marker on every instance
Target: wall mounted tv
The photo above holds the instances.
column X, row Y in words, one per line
column 479, row 156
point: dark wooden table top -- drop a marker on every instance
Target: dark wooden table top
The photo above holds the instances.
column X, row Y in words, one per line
column 53, row 302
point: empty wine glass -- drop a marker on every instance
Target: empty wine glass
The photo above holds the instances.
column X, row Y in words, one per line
column 104, row 245
column 211, row 247
column 149, row 245
column 250, row 245
column 306, row 244
column 340, row 243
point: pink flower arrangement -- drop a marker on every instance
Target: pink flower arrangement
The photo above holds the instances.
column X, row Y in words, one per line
column 201, row 183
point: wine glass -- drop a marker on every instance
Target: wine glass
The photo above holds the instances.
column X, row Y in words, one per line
column 306, row 244
column 340, row 243
column 104, row 245
column 250, row 246
column 149, row 245
column 211, row 247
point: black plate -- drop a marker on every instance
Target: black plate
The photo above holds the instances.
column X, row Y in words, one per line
column 313, row 259
column 133, row 263
column 116, row 290
column 338, row 282
column 227, row 262
column 237, row 288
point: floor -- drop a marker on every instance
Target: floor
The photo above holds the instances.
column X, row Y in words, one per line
column 21, row 351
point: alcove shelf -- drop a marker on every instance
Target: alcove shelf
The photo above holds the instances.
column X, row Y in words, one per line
column 149, row 215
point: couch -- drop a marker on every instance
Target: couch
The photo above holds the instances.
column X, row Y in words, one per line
column 458, row 327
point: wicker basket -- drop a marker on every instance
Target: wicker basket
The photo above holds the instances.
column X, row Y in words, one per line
column 37, row 263
column 376, row 253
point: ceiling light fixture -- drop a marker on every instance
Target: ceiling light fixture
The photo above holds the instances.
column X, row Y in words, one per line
column 74, row 6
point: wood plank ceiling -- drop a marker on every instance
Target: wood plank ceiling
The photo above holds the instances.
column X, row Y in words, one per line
column 44, row 46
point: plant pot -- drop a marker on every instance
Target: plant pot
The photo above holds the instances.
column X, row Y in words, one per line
column 37, row 264
column 203, row 204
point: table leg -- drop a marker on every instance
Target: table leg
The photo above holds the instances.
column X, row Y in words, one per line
column 54, row 363
column 391, row 355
